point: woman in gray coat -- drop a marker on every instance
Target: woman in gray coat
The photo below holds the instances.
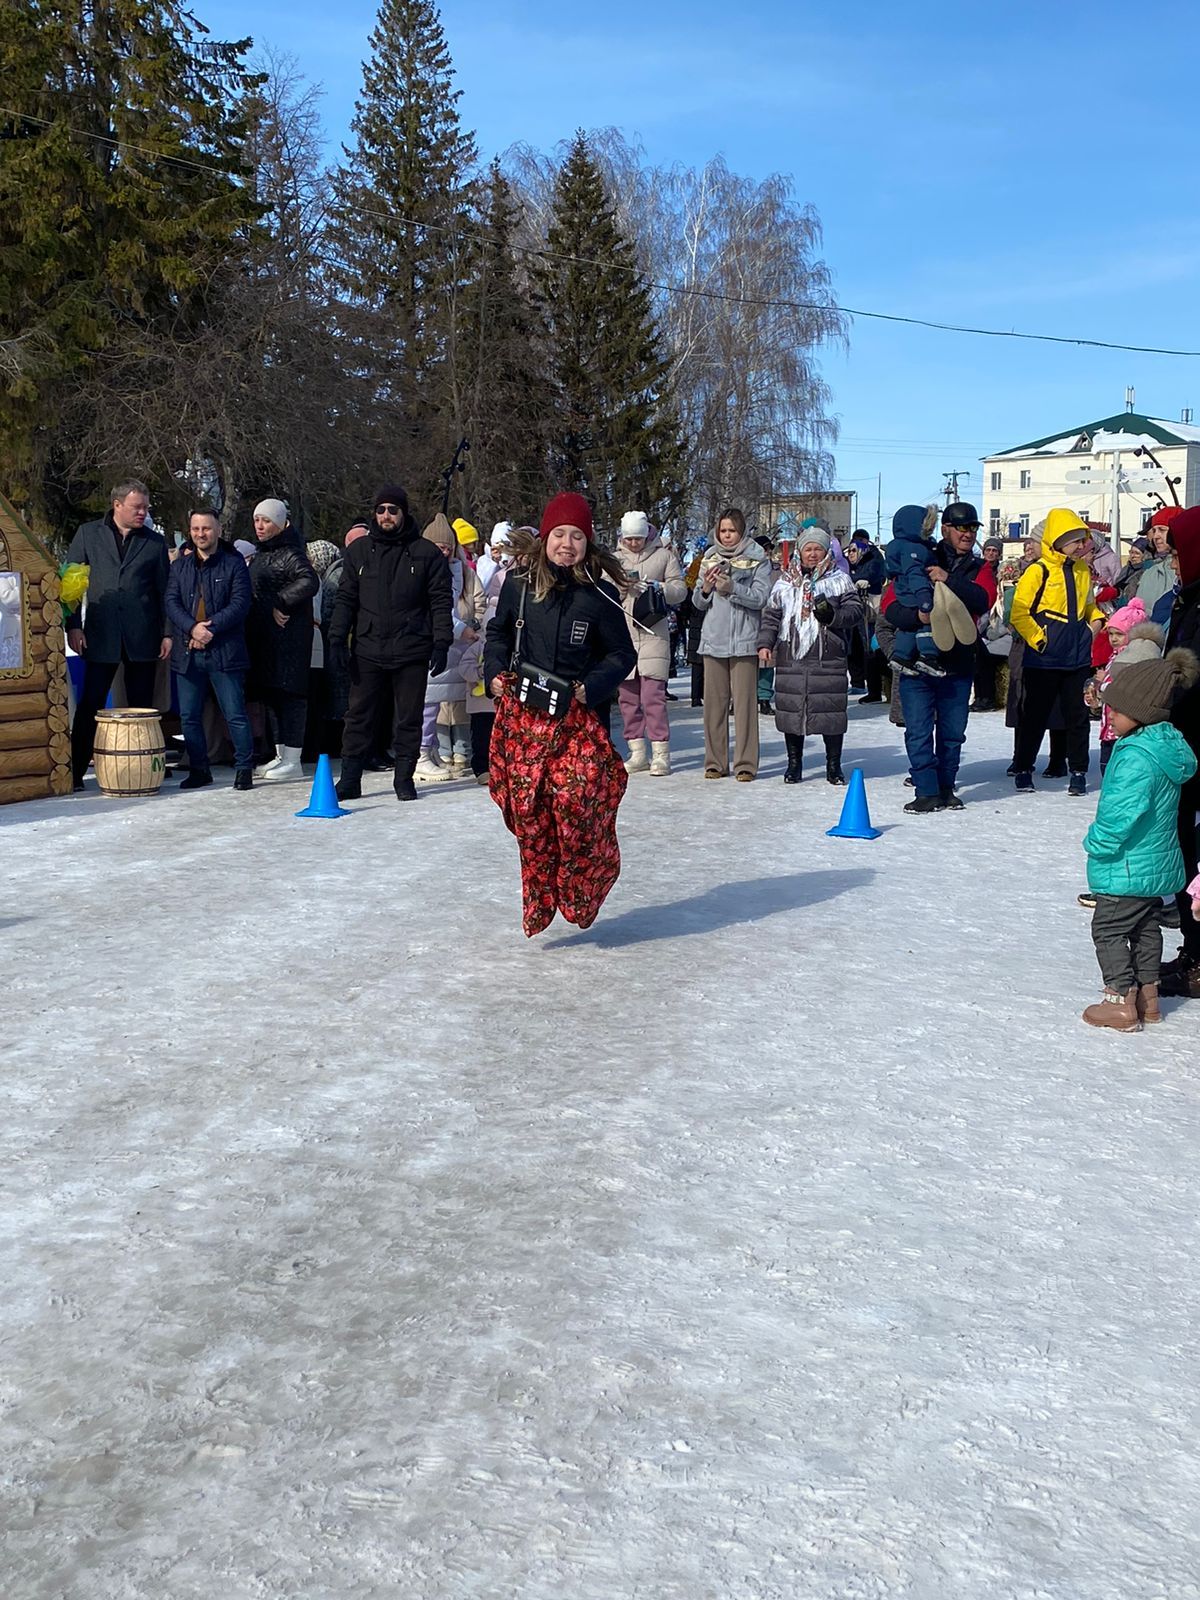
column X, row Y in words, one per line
column 813, row 613
column 732, row 589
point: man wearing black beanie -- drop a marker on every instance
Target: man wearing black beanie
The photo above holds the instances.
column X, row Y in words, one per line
column 391, row 626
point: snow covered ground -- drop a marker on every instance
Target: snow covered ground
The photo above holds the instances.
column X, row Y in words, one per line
column 786, row 1235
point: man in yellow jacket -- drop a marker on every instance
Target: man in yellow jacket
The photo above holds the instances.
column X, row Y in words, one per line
column 1054, row 610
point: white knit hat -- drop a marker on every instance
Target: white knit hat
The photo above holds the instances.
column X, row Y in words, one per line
column 635, row 525
column 275, row 511
column 501, row 534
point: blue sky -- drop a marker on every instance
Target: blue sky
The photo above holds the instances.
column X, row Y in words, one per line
column 1021, row 166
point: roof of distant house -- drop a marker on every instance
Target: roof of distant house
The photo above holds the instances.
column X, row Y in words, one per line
column 1125, row 431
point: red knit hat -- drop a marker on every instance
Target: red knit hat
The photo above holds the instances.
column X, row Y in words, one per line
column 1164, row 516
column 1185, row 541
column 567, row 511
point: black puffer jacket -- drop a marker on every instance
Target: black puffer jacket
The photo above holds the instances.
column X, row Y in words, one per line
column 395, row 598
column 282, row 580
column 811, row 691
column 578, row 631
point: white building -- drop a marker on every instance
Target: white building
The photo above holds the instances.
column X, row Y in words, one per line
column 1095, row 470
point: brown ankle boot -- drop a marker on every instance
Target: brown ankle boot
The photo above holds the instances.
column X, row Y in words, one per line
column 1115, row 1011
column 1147, row 1003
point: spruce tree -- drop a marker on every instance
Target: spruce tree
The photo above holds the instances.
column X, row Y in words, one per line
column 505, row 407
column 398, row 228
column 615, row 438
column 120, row 193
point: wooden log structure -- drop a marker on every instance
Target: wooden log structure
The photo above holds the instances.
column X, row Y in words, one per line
column 35, row 746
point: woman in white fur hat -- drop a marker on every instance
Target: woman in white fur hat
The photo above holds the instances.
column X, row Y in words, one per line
column 656, row 586
column 279, row 633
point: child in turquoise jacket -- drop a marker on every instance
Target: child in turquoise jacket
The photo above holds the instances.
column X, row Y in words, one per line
column 1133, row 850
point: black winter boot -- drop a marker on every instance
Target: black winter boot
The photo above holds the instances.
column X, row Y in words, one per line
column 925, row 803
column 795, row 755
column 833, row 760
column 349, row 784
column 403, row 784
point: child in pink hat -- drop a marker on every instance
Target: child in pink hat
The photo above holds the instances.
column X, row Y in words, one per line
column 1133, row 638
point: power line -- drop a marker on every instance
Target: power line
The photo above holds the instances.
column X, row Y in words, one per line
column 762, row 303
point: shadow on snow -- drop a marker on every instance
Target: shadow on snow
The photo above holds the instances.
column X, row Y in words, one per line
column 719, row 907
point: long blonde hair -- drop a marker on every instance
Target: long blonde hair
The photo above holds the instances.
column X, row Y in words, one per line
column 596, row 565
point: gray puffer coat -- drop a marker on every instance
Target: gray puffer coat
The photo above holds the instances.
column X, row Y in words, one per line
column 811, row 690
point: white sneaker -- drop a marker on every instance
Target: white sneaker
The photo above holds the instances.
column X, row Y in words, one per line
column 430, row 770
column 638, row 761
column 660, row 758
column 261, row 772
column 285, row 769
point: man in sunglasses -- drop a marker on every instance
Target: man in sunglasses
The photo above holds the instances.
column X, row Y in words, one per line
column 392, row 627
column 935, row 709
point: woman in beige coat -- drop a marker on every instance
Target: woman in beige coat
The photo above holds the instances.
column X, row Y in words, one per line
column 656, row 577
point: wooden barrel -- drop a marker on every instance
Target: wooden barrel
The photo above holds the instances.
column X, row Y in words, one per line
column 131, row 756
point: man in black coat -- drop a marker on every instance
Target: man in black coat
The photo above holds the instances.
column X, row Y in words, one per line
column 126, row 619
column 1181, row 977
column 392, row 619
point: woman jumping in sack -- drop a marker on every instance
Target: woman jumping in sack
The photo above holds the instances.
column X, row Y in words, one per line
column 556, row 652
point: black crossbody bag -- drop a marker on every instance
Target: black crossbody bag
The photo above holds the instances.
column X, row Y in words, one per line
column 544, row 691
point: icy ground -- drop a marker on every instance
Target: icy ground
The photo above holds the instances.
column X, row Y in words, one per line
column 787, row 1235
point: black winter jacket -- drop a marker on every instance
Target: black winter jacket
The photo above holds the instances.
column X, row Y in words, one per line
column 578, row 631
column 1184, row 630
column 961, row 573
column 871, row 570
column 125, row 597
column 395, row 598
column 283, row 580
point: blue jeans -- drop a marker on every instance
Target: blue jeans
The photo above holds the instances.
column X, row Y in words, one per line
column 230, row 690
column 935, row 725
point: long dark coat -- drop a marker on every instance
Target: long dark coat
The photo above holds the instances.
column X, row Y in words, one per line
column 125, row 598
column 811, row 691
column 282, row 579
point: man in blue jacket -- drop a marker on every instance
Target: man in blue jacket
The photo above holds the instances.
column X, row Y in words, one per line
column 208, row 600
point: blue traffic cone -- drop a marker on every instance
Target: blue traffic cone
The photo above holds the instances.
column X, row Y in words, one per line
column 855, row 821
column 323, row 801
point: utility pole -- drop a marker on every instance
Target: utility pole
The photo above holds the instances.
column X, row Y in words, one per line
column 879, row 508
column 1115, row 529
column 951, row 489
